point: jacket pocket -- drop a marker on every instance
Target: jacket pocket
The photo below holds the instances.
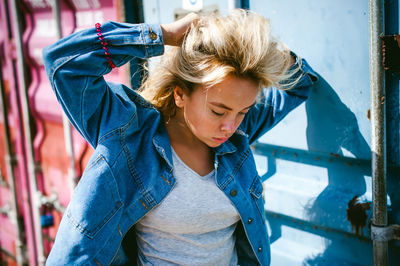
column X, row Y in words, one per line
column 256, row 190
column 96, row 199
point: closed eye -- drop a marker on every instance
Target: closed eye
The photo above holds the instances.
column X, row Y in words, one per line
column 216, row 113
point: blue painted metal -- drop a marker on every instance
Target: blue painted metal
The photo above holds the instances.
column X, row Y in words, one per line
column 392, row 26
column 47, row 220
column 134, row 14
column 318, row 158
column 245, row 4
column 333, row 37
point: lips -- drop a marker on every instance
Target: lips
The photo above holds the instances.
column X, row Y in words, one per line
column 220, row 140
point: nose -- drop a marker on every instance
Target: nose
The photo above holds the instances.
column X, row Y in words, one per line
column 228, row 126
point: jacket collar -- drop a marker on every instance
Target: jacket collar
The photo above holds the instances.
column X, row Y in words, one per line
column 228, row 146
column 163, row 146
column 224, row 148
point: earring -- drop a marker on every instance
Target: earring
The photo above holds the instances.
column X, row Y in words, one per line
column 169, row 118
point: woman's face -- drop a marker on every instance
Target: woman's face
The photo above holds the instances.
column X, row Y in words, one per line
column 214, row 114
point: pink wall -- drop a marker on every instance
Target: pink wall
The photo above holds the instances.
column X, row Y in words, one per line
column 47, row 130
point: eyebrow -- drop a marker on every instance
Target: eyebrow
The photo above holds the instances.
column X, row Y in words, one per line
column 228, row 108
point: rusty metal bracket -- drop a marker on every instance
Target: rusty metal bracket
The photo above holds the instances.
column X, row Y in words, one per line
column 391, row 53
column 386, row 233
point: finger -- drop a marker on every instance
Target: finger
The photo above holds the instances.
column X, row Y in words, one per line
column 191, row 17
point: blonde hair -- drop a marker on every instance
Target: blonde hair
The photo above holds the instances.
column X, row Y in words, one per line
column 239, row 44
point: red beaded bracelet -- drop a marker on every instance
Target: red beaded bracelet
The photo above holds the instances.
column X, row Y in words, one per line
column 104, row 43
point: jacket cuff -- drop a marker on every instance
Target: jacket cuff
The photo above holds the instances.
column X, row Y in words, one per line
column 152, row 39
column 305, row 76
column 305, row 70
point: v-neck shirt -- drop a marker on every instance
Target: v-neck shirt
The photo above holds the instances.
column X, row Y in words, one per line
column 193, row 225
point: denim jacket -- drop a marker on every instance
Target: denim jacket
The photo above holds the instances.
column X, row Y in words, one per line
column 130, row 172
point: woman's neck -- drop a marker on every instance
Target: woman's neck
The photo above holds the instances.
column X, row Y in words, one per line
column 180, row 134
column 193, row 152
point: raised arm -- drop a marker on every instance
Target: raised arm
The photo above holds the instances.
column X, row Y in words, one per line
column 75, row 66
column 275, row 104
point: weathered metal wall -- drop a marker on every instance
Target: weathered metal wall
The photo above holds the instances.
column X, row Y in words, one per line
column 12, row 159
column 392, row 26
column 317, row 162
column 51, row 162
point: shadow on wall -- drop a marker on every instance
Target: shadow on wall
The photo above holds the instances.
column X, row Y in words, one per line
column 331, row 127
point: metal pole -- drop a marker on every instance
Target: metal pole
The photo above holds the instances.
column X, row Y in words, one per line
column 33, row 187
column 232, row 4
column 66, row 124
column 10, row 162
column 378, row 125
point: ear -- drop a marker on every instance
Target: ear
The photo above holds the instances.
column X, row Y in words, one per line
column 179, row 96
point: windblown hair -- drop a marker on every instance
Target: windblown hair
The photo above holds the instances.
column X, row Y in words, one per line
column 239, row 44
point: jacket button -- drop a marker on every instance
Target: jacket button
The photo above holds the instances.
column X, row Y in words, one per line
column 259, row 249
column 250, row 220
column 152, row 35
column 233, row 192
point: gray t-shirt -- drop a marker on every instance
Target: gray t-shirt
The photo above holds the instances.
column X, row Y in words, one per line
column 194, row 224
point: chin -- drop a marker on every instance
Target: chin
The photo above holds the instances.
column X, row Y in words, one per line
column 213, row 144
column 210, row 142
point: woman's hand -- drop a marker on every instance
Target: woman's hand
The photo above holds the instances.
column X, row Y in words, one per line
column 174, row 32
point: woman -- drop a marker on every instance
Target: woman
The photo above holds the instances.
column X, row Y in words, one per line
column 172, row 179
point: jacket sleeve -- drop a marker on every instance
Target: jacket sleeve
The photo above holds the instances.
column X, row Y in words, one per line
column 75, row 66
column 274, row 104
